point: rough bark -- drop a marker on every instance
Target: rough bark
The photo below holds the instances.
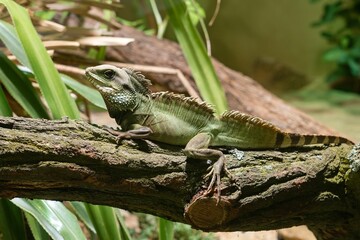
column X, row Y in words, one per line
column 73, row 160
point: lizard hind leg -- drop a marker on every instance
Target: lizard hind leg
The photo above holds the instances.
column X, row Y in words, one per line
column 197, row 148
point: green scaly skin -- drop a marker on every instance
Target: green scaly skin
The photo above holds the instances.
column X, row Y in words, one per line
column 186, row 121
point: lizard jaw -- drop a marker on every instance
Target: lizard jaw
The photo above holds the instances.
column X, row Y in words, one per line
column 99, row 83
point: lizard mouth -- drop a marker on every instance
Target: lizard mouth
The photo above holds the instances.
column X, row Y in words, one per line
column 97, row 81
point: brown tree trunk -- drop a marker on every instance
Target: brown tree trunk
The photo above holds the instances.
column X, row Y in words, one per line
column 73, row 160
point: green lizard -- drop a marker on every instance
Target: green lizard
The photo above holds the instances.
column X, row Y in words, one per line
column 175, row 119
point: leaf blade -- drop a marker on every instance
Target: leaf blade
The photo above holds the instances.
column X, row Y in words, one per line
column 104, row 221
column 166, row 229
column 196, row 55
column 53, row 89
column 20, row 88
column 38, row 232
column 12, row 226
column 5, row 109
column 53, row 216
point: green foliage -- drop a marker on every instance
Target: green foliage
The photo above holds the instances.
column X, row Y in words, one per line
column 11, row 221
column 20, row 88
column 185, row 232
column 196, row 55
column 5, row 109
column 57, row 221
column 342, row 23
column 147, row 224
column 104, row 220
column 166, row 229
column 37, row 230
column 124, row 231
column 53, row 89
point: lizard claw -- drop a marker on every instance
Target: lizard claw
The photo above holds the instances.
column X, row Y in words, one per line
column 215, row 174
column 119, row 135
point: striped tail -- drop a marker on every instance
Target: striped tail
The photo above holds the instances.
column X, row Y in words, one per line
column 284, row 140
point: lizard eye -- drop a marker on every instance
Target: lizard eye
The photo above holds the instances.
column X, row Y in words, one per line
column 109, row 74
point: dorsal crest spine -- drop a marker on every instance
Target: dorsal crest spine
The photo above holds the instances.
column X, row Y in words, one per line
column 190, row 103
column 243, row 118
column 142, row 84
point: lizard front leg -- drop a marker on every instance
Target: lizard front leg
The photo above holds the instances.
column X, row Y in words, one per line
column 197, row 148
column 136, row 131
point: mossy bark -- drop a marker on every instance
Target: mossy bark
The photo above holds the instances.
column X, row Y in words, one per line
column 74, row 160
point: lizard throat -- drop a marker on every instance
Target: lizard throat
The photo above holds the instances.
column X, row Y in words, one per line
column 120, row 102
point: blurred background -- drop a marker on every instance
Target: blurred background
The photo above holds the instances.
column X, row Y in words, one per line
column 306, row 52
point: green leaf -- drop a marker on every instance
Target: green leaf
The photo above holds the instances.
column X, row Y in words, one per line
column 125, row 235
column 161, row 24
column 330, row 13
column 104, row 220
column 166, row 229
column 38, row 232
column 86, row 92
column 337, row 74
column 5, row 109
column 336, row 54
column 81, row 212
column 329, row 36
column 195, row 11
column 10, row 39
column 196, row 55
column 53, row 89
column 53, row 216
column 20, row 88
column 12, row 225
column 354, row 67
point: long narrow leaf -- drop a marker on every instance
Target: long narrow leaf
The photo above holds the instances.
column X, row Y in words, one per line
column 53, row 89
column 196, row 56
column 104, row 220
column 11, row 221
column 13, row 44
column 11, row 41
column 37, row 230
column 20, row 88
column 166, row 229
column 123, row 229
column 80, row 211
column 5, row 109
column 57, row 220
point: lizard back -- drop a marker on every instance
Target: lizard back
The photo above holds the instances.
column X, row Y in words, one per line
column 175, row 119
column 249, row 132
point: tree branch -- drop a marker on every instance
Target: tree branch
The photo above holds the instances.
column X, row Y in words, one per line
column 73, row 160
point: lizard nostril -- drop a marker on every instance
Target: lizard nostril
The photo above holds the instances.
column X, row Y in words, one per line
column 88, row 69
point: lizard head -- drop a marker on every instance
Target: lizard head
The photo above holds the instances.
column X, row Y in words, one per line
column 120, row 87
